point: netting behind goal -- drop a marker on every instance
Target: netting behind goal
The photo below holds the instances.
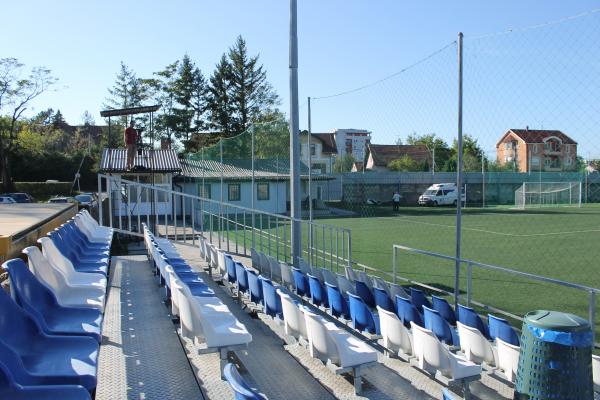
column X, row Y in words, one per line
column 548, row 194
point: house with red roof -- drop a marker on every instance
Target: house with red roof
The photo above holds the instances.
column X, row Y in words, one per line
column 537, row 150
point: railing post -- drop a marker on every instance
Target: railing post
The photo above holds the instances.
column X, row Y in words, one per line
column 394, row 251
column 109, row 191
column 183, row 217
column 193, row 206
column 120, row 202
column 235, row 226
column 100, row 199
column 349, row 248
column 129, row 208
column 592, row 314
column 469, row 283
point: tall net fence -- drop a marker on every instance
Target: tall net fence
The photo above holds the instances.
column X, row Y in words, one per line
column 531, row 151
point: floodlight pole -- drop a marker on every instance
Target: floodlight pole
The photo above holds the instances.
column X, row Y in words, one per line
column 459, row 172
column 310, row 206
column 294, row 132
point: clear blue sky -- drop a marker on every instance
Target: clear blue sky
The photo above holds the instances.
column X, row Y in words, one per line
column 343, row 44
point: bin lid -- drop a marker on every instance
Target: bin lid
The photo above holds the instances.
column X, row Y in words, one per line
column 557, row 321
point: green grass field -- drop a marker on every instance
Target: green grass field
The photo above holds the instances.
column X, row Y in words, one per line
column 561, row 243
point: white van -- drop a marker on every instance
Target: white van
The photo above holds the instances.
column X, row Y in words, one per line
column 440, row 194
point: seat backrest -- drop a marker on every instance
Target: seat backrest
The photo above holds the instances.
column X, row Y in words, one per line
column 300, row 282
column 329, row 277
column 318, row 273
column 265, row 267
column 364, row 292
column 475, row 346
column 407, row 312
column 435, row 354
column 418, row 298
column 34, row 297
column 286, row 273
column 382, row 299
column 44, row 271
column 55, row 257
column 439, row 326
column 397, row 290
column 508, row 359
column 317, row 292
column 18, row 329
column 345, row 285
column 271, row 299
column 395, row 335
column 295, row 325
column 255, row 287
column 241, row 276
column 255, row 259
column 337, row 302
column 217, row 258
column 440, row 305
column 596, row 372
column 446, row 394
column 240, row 388
column 350, row 274
column 303, row 266
column 274, row 268
column 500, row 328
column 467, row 316
column 319, row 339
column 362, row 318
column 230, row 268
column 364, row 277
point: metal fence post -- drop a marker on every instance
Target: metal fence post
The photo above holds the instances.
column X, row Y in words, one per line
column 592, row 313
column 459, row 173
column 469, row 283
column 394, row 251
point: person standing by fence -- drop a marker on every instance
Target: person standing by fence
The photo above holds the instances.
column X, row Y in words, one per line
column 396, row 201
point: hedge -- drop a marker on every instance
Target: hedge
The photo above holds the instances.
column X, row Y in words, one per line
column 44, row 190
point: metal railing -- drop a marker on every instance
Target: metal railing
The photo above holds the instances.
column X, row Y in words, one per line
column 183, row 217
column 470, row 264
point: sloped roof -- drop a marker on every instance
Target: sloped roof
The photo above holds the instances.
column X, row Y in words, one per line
column 240, row 169
column 383, row 154
column 328, row 140
column 537, row 135
column 115, row 160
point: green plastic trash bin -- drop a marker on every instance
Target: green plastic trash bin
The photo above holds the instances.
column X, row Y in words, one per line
column 555, row 361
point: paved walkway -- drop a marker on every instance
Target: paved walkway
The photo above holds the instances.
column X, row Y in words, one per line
column 141, row 356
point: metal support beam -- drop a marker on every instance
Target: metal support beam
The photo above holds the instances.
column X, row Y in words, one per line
column 459, row 172
column 294, row 132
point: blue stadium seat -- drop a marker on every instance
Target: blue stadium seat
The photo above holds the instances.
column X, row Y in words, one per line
column 318, row 294
column 255, row 286
column 383, row 300
column 337, row 303
column 407, row 312
column 418, row 298
column 79, row 250
column 10, row 389
column 362, row 317
column 240, row 388
column 230, row 268
column 440, row 327
column 301, row 283
column 363, row 291
column 86, row 264
column 35, row 358
column 446, row 311
column 41, row 304
column 500, row 328
column 272, row 306
column 81, row 238
column 467, row 316
column 242, row 277
column 446, row 395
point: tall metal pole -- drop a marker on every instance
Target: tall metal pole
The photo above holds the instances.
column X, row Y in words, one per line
column 252, row 188
column 221, row 202
column 482, row 180
column 433, row 161
column 294, row 131
column 459, row 171
column 310, row 206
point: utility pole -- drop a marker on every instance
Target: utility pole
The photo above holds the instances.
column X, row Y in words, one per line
column 294, row 132
column 310, row 206
column 459, row 172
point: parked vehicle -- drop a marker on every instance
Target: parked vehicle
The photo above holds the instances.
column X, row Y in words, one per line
column 7, row 200
column 440, row 194
column 86, row 200
column 20, row 197
column 62, row 199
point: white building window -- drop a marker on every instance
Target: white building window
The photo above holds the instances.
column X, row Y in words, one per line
column 262, row 191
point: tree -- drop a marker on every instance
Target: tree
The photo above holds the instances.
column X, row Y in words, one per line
column 127, row 91
column 183, row 92
column 406, row 164
column 251, row 93
column 219, row 103
column 161, row 89
column 472, row 154
column 343, row 163
column 16, row 93
column 435, row 145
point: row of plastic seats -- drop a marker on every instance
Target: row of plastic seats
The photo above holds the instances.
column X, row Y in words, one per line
column 50, row 324
column 203, row 318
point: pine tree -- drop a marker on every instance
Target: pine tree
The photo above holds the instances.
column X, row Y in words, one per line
column 183, row 92
column 219, row 103
column 127, row 91
column 251, row 94
column 198, row 102
column 162, row 89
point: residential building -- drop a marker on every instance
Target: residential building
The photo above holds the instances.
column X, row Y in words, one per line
column 352, row 141
column 323, row 151
column 380, row 155
column 537, row 150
